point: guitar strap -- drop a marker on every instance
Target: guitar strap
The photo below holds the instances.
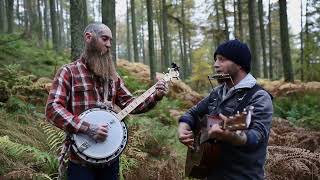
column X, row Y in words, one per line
column 245, row 101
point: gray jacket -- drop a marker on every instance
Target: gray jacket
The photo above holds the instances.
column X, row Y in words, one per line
column 246, row 161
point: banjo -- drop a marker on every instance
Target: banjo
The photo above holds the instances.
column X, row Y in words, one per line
column 103, row 152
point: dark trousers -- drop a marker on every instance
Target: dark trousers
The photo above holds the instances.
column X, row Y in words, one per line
column 81, row 172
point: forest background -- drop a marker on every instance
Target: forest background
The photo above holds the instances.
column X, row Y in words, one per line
column 38, row 36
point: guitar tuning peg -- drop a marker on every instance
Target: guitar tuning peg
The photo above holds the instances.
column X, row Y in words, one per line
column 238, row 113
column 251, row 108
column 244, row 111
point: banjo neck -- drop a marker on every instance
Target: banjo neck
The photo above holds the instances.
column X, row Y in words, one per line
column 135, row 103
column 173, row 73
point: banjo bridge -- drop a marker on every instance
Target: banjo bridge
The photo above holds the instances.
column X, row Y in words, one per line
column 85, row 145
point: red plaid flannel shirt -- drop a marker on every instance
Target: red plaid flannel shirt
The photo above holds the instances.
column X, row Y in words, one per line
column 75, row 89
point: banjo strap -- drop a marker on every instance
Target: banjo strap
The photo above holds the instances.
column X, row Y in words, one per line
column 107, row 104
column 64, row 155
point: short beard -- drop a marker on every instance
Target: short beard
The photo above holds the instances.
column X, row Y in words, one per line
column 99, row 63
column 232, row 71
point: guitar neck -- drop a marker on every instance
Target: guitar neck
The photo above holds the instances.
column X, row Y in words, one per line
column 135, row 103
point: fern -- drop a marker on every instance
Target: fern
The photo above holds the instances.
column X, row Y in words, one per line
column 302, row 109
column 127, row 163
column 292, row 163
column 21, row 151
column 55, row 136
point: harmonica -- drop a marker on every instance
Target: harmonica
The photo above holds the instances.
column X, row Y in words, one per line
column 219, row 76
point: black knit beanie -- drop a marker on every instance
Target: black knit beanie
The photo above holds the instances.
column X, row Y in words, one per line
column 235, row 51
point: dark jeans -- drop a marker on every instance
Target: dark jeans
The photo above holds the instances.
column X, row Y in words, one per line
column 81, row 172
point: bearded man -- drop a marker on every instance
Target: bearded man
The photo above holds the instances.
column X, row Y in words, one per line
column 89, row 82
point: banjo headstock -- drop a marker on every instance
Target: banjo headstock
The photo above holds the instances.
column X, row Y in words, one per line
column 173, row 72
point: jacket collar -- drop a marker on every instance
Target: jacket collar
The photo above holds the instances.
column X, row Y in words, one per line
column 247, row 82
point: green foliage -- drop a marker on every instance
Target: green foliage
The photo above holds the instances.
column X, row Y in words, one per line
column 22, row 127
column 38, row 61
column 5, row 91
column 55, row 136
column 13, row 75
column 15, row 82
column 311, row 64
column 200, row 70
column 15, row 104
column 300, row 109
column 131, row 83
column 161, row 111
column 156, row 135
column 126, row 165
column 41, row 159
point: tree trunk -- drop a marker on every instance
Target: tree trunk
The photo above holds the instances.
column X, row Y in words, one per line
column 190, row 55
column 255, row 65
column 240, row 20
column 128, row 34
column 165, row 34
column 61, row 25
column 159, row 14
column 78, row 22
column 54, row 28
column 181, row 49
column 134, row 32
column 307, row 35
column 109, row 19
column 3, row 16
column 235, row 19
column 270, row 43
column 68, row 30
column 142, row 36
column 226, row 27
column 151, row 40
column 218, row 36
column 58, row 25
column 39, row 24
column 143, row 46
column 18, row 13
column 27, row 11
column 263, row 41
column 301, row 43
column 46, row 21
column 9, row 7
column 285, row 46
column 184, row 37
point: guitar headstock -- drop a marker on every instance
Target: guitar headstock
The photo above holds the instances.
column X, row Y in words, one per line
column 173, row 72
column 239, row 121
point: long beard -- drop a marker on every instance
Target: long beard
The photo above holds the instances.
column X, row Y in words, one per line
column 98, row 62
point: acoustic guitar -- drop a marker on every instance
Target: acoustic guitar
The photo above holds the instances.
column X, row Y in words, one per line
column 205, row 154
